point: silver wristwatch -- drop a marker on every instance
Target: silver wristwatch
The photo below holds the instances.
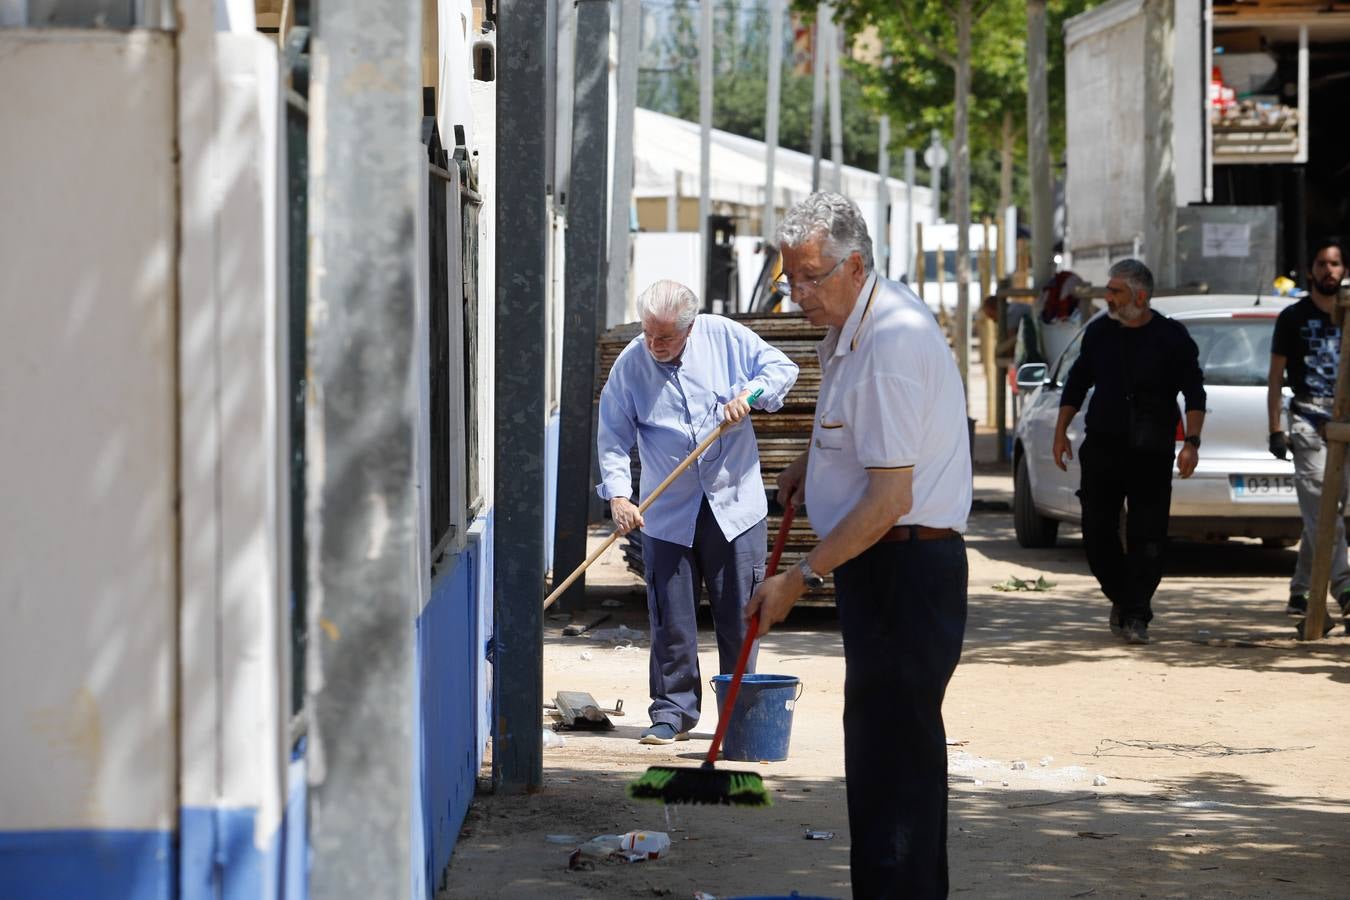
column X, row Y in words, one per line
column 809, row 576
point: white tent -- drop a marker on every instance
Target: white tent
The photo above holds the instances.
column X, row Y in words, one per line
column 666, row 151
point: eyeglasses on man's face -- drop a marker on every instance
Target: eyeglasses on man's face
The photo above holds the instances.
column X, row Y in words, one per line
column 803, row 284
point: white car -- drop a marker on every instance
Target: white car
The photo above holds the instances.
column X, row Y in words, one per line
column 1238, row 489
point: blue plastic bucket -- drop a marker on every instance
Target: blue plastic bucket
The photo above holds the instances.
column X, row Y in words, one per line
column 761, row 724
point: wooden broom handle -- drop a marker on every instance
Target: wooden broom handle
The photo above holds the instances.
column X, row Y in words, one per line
column 676, row 473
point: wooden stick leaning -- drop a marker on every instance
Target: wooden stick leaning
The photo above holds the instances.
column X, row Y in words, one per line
column 1333, row 477
column 676, row 473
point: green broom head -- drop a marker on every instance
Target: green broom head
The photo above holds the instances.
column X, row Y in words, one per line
column 704, row 785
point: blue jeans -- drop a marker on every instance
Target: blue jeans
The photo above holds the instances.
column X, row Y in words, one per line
column 675, row 574
column 1310, row 459
column 902, row 612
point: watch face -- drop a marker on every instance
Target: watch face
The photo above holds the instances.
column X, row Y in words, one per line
column 809, row 578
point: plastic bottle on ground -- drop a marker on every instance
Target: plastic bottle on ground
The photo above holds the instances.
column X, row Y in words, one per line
column 652, row 843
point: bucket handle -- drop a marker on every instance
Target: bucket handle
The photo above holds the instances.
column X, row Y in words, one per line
column 801, row 686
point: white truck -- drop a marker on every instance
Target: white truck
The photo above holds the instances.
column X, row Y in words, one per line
column 1188, row 138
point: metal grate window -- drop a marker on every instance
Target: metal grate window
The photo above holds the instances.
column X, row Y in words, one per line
column 472, row 360
column 453, row 208
column 297, row 229
column 442, row 423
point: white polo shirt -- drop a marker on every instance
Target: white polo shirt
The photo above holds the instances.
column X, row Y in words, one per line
column 890, row 398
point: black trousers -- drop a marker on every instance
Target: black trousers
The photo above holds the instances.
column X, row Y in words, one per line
column 1116, row 477
column 902, row 612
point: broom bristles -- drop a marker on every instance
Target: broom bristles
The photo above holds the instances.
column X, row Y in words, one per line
column 705, row 785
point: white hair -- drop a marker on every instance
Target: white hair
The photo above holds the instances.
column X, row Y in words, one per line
column 668, row 301
column 835, row 217
column 1135, row 274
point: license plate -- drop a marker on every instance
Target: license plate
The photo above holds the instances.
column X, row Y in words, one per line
column 1260, row 487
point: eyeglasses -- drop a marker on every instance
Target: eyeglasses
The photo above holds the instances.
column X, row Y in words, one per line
column 783, row 285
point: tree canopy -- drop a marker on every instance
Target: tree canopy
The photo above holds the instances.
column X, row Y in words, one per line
column 911, row 80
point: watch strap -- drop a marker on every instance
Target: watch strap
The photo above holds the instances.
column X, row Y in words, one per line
column 809, row 576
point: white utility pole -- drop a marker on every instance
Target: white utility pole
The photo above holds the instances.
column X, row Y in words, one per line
column 705, row 111
column 818, row 59
column 770, row 218
column 882, row 234
column 909, row 210
column 836, row 107
column 935, row 157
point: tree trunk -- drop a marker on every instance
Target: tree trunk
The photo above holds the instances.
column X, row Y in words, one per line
column 1005, row 178
column 961, row 186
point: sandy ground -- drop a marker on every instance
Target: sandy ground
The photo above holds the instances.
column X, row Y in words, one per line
column 1222, row 746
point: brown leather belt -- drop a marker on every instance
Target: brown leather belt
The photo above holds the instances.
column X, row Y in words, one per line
column 917, row 533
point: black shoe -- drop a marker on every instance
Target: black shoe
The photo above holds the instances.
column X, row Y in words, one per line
column 1328, row 623
column 1298, row 605
column 662, row 733
column 1136, row 632
column 1116, row 622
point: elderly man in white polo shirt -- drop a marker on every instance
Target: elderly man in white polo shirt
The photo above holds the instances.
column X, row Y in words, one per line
column 887, row 486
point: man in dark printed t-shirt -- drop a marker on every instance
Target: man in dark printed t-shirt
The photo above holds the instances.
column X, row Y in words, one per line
column 1305, row 355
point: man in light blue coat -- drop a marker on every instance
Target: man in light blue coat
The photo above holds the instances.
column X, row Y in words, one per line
column 668, row 390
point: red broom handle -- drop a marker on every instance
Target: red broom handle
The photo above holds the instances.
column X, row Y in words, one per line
column 751, row 631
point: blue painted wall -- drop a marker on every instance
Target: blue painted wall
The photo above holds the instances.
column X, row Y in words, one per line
column 56, row 865
column 220, row 862
column 451, row 696
column 213, row 857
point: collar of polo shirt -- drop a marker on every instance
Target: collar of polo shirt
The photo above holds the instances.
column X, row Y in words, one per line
column 848, row 335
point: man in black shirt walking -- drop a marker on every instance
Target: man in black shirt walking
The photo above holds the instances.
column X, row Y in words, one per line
column 1138, row 361
column 1305, row 354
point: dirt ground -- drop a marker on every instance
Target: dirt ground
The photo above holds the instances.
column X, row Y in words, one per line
column 1211, row 763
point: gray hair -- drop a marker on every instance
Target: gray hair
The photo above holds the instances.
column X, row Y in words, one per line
column 1135, row 274
column 833, row 216
column 668, row 301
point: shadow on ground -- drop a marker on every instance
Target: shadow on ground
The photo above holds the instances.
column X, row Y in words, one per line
column 1207, row 835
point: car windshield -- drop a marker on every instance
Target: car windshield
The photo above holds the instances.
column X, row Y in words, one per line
column 1233, row 352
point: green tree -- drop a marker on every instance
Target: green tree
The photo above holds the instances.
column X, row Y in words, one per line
column 915, row 84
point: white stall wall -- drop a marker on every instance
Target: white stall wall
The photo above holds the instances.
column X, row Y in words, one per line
column 87, row 526
column 666, row 254
column 1105, row 117
column 236, row 576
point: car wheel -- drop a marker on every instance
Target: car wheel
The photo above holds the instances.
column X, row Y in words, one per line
column 1033, row 529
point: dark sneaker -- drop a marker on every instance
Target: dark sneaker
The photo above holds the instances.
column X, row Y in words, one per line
column 1136, row 632
column 1327, row 624
column 662, row 733
column 1298, row 605
column 1117, row 623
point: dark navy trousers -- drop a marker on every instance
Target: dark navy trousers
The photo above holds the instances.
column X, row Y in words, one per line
column 730, row 570
column 902, row 611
